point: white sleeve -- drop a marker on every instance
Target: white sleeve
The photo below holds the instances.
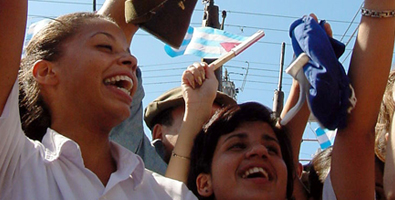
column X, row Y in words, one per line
column 12, row 139
column 327, row 190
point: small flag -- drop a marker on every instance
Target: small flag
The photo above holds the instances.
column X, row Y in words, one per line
column 206, row 42
column 325, row 137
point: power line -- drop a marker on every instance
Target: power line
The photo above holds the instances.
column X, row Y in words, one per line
column 260, row 82
column 276, row 15
column 162, row 64
column 258, row 28
column 349, row 53
column 163, row 69
column 64, row 2
column 198, row 10
column 355, row 16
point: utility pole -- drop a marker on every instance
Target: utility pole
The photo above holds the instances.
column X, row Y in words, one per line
column 94, row 5
column 278, row 99
column 210, row 19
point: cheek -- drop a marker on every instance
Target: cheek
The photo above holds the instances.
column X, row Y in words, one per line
column 282, row 173
column 224, row 166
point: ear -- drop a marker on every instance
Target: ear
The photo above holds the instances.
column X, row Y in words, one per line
column 157, row 132
column 44, row 74
column 204, row 185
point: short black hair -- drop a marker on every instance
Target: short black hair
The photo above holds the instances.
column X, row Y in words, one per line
column 165, row 117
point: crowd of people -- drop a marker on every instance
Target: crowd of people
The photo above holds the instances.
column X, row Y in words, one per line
column 71, row 121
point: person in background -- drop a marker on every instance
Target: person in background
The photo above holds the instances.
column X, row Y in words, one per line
column 164, row 116
column 130, row 133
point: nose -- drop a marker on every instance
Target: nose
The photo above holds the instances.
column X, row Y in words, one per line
column 128, row 60
column 257, row 150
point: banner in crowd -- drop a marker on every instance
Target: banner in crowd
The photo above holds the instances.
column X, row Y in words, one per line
column 206, row 42
column 325, row 137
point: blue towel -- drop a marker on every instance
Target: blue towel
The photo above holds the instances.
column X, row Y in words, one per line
column 330, row 95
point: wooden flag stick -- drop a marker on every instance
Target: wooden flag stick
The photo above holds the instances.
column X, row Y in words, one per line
column 238, row 49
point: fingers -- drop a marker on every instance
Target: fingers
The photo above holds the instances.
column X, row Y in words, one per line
column 328, row 29
column 195, row 74
column 327, row 26
column 314, row 16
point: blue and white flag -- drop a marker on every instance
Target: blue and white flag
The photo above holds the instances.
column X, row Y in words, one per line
column 325, row 137
column 206, row 42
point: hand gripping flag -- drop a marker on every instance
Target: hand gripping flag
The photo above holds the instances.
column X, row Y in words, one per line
column 206, row 42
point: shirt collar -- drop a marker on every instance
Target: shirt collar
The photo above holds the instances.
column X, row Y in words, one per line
column 56, row 145
column 129, row 165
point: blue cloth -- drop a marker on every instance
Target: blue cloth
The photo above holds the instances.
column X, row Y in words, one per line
column 130, row 133
column 330, row 92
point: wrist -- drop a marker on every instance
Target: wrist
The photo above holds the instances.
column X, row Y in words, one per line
column 379, row 5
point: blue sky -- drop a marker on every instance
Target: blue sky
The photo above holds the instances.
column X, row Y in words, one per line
column 161, row 72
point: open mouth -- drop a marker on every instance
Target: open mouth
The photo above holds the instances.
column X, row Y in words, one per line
column 255, row 172
column 122, row 82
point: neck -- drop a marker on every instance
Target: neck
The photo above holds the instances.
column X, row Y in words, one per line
column 95, row 148
column 98, row 158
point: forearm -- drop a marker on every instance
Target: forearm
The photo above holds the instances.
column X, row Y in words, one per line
column 297, row 125
column 116, row 10
column 12, row 25
column 370, row 64
column 352, row 170
column 193, row 121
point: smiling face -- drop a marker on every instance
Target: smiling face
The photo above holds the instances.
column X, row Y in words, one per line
column 96, row 76
column 248, row 164
column 241, row 154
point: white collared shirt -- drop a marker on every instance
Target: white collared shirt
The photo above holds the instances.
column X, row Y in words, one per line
column 54, row 169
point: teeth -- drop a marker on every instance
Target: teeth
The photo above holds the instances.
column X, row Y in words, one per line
column 125, row 87
column 255, row 170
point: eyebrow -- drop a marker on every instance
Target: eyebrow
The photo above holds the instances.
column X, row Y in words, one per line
column 104, row 33
column 244, row 135
column 237, row 135
column 270, row 138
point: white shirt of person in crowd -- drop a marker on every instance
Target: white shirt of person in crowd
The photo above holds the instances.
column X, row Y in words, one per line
column 54, row 169
column 327, row 191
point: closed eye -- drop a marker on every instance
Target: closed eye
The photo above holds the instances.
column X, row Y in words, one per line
column 237, row 146
column 273, row 150
column 105, row 47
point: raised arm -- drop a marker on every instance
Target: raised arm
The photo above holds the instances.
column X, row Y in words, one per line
column 352, row 173
column 199, row 89
column 295, row 128
column 389, row 169
column 12, row 25
column 116, row 10
column 297, row 125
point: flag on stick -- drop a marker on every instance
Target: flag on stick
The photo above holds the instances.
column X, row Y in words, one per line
column 206, row 42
